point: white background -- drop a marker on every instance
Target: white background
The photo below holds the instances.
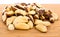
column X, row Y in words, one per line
column 30, row 1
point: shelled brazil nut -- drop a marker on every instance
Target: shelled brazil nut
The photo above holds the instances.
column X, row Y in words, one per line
column 26, row 16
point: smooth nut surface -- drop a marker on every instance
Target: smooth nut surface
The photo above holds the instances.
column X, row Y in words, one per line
column 21, row 12
column 4, row 17
column 41, row 28
column 11, row 27
column 21, row 26
column 10, row 20
column 30, row 23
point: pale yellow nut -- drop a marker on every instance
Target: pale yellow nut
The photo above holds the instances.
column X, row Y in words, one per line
column 55, row 16
column 30, row 23
column 31, row 12
column 21, row 26
column 46, row 23
column 37, row 21
column 11, row 27
column 21, row 19
column 10, row 20
column 21, row 12
column 10, row 13
column 41, row 28
column 4, row 17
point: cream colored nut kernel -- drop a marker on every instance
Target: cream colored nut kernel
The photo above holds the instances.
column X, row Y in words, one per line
column 21, row 12
column 37, row 21
column 30, row 23
column 55, row 16
column 21, row 26
column 21, row 19
column 41, row 28
column 10, row 20
column 11, row 27
column 9, row 13
column 31, row 12
column 4, row 17
column 46, row 23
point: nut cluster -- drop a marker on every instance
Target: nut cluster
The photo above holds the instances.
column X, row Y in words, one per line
column 27, row 16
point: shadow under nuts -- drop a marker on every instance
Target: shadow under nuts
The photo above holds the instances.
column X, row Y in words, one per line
column 26, row 16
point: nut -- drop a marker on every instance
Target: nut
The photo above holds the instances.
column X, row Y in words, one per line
column 22, row 19
column 37, row 21
column 4, row 17
column 10, row 20
column 36, row 16
column 32, row 12
column 54, row 16
column 11, row 27
column 21, row 26
column 52, row 20
column 46, row 23
column 41, row 28
column 30, row 23
column 19, row 11
column 9, row 13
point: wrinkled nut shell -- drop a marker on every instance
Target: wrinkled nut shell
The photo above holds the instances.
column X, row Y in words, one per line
column 10, row 20
column 11, row 27
column 21, row 26
column 41, row 28
column 30, row 23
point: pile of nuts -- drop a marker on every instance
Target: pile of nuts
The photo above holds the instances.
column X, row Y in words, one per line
column 26, row 16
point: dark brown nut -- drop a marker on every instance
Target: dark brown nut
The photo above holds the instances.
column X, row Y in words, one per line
column 4, row 17
column 19, row 11
column 41, row 12
column 52, row 20
column 11, row 27
column 10, row 20
column 30, row 23
column 9, row 13
column 32, row 12
column 36, row 16
column 41, row 28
